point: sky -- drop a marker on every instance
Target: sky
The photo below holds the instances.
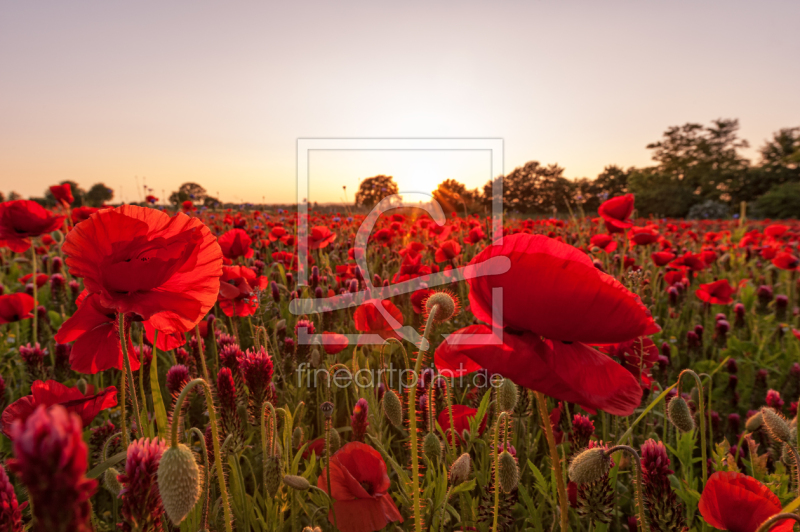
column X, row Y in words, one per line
column 219, row 92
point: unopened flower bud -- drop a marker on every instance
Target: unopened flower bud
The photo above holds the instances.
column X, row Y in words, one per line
column 296, row 482
column 178, row 482
column 507, row 396
column 680, row 415
column 432, row 446
column 590, row 465
column 754, row 422
column 460, row 470
column 776, row 425
column 509, row 472
column 393, row 408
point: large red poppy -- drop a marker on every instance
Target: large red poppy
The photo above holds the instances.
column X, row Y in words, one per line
column 785, row 261
column 320, row 237
column 552, row 290
column 384, row 321
column 605, row 242
column 62, row 193
column 617, row 211
column 54, row 393
column 15, row 307
column 236, row 243
column 80, row 214
column 448, row 250
column 717, row 293
column 738, row 503
column 22, row 219
column 359, row 489
column 642, row 236
column 142, row 261
column 662, row 258
column 237, row 290
column 462, row 415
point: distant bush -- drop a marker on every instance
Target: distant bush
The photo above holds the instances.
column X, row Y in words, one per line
column 782, row 201
column 709, row 210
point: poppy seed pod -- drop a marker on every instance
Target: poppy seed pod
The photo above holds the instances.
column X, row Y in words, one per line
column 680, row 415
column 272, row 475
column 447, row 302
column 432, row 446
column 509, row 472
column 297, row 437
column 178, row 482
column 754, row 422
column 507, row 396
column 110, row 481
column 776, row 425
column 296, row 482
column 589, row 466
column 393, row 408
column 460, row 470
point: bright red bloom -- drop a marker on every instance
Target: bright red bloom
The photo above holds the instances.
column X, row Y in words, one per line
column 15, row 307
column 694, row 262
column 236, row 243
column 617, row 211
column 50, row 458
column 775, row 230
column 142, row 261
column 717, row 293
column 237, row 290
column 359, row 488
column 320, row 237
column 383, row 321
column 63, row 193
column 785, row 261
column 188, row 206
column 334, row 342
column 461, row 416
column 418, row 298
column 642, row 236
column 41, row 279
column 662, row 258
column 552, row 290
column 22, row 219
column 80, row 214
column 448, row 250
column 476, row 235
column 605, row 242
column 738, row 503
column 50, row 393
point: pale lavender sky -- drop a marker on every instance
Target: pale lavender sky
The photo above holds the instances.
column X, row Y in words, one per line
column 218, row 92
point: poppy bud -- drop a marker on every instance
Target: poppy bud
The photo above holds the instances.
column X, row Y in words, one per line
column 178, row 482
column 590, row 465
column 432, row 446
column 460, row 470
column 447, row 303
column 296, row 482
column 110, row 481
column 393, row 408
column 297, row 437
column 507, row 396
column 509, row 472
column 754, row 422
column 334, row 440
column 776, row 425
column 272, row 475
column 680, row 415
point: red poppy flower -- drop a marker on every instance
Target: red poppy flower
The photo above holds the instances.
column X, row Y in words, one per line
column 475, row 235
column 642, row 236
column 670, row 278
column 461, row 417
column 166, row 341
column 448, row 250
column 775, row 230
column 662, row 258
column 80, row 214
column 63, row 193
column 359, row 488
column 717, row 293
column 785, row 261
column 334, row 342
column 41, row 279
column 54, row 393
column 22, row 219
column 418, row 298
column 637, row 356
column 151, row 199
column 605, row 242
column 617, row 211
column 694, row 262
column 237, row 290
column 15, row 307
column 314, row 446
column 236, row 243
column 277, row 233
column 576, row 304
column 320, row 237
column 142, row 261
column 188, row 206
column 383, row 321
column 738, row 503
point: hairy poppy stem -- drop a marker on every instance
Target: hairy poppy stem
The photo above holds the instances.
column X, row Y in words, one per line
column 766, row 525
column 35, row 302
column 212, row 419
column 127, row 364
column 639, row 481
column 496, row 461
column 123, row 413
column 206, row 480
column 702, row 415
column 563, row 501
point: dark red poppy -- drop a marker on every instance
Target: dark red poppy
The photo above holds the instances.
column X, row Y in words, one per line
column 20, row 220
column 418, row 298
column 237, row 290
column 694, row 262
column 462, row 415
column 236, row 243
column 359, row 489
column 15, row 307
column 553, row 290
column 143, row 262
column 314, row 446
column 379, row 317
column 670, row 278
column 785, row 261
column 334, row 342
column 80, row 214
column 775, row 230
column 188, row 206
column 617, row 211
column 448, row 250
column 151, row 199
column 642, row 236
column 605, row 242
column 739, row 503
column 62, row 193
column 662, row 258
column 41, row 279
column 475, row 235
column 54, row 393
column 716, row 293
column 320, row 237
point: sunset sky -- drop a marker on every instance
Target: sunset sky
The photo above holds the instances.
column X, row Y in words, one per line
column 219, row 92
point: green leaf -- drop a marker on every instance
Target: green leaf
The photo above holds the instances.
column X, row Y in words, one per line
column 111, row 462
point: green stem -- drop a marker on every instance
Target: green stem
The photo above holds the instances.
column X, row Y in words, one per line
column 35, row 302
column 563, row 501
column 127, row 364
column 496, row 461
column 200, row 352
column 702, row 415
column 639, row 481
column 212, row 419
column 766, row 525
column 207, row 479
column 124, row 414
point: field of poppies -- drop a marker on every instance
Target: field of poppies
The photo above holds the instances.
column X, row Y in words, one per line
column 248, row 370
